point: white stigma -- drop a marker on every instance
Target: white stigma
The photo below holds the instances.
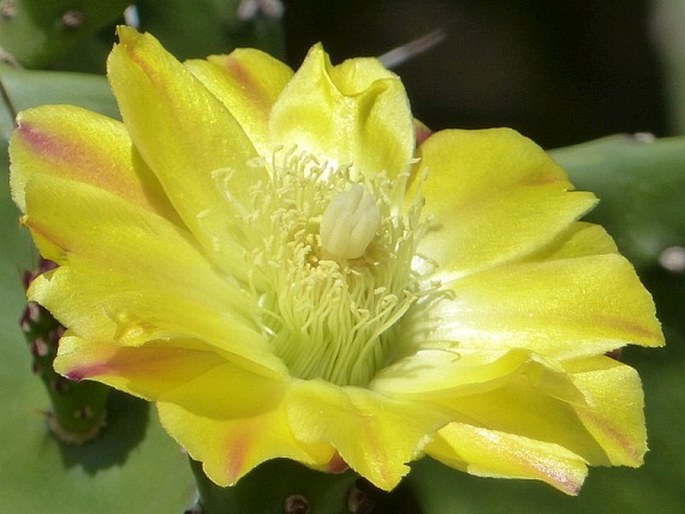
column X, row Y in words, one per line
column 350, row 223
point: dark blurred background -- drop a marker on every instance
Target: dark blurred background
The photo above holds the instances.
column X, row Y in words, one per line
column 559, row 72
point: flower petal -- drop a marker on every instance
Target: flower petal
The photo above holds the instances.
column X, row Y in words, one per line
column 451, row 373
column 129, row 275
column 196, row 148
column 516, row 408
column 77, row 144
column 513, row 390
column 376, row 436
column 356, row 113
column 615, row 416
column 493, row 196
column 490, row 453
column 221, row 414
column 608, row 429
column 561, row 308
column 230, row 447
column 580, row 240
column 180, row 371
column 248, row 83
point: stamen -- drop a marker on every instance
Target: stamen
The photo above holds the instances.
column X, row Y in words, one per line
column 329, row 259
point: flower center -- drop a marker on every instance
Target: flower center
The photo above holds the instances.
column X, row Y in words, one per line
column 330, row 265
column 350, row 223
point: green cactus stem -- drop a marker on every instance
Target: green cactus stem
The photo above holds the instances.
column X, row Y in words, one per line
column 37, row 32
column 78, row 409
column 288, row 487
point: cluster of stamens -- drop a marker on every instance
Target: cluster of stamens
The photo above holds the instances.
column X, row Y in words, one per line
column 330, row 255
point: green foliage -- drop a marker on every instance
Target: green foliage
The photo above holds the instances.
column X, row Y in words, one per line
column 204, row 27
column 640, row 182
column 26, row 89
column 36, row 32
column 77, row 35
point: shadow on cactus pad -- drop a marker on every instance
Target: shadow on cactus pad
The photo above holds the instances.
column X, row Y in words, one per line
column 127, row 421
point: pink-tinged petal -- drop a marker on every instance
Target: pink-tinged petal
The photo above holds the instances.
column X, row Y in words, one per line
column 492, row 196
column 614, row 415
column 528, row 409
column 230, row 447
column 77, row 144
column 375, row 435
column 490, row 453
column 248, row 83
column 108, row 307
column 129, row 275
column 561, row 308
column 180, row 371
column 194, row 145
column 356, row 113
column 421, row 132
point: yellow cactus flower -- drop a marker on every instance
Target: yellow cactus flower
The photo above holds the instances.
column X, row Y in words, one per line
column 277, row 262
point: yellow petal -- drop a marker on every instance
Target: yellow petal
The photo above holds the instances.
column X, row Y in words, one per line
column 179, row 371
column 376, row 436
column 248, row 83
column 196, row 148
column 526, row 408
column 452, row 373
column 77, row 144
column 220, row 413
column 561, row 308
column 355, row 113
column 580, row 240
column 608, row 429
column 230, row 447
column 614, row 415
column 490, row 453
column 129, row 275
column 492, row 196
column 105, row 306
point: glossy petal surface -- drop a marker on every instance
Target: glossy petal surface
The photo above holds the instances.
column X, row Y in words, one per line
column 614, row 415
column 496, row 454
column 80, row 145
column 230, row 446
column 561, row 308
column 352, row 114
column 186, row 373
column 492, row 196
column 248, row 82
column 189, row 139
column 375, row 435
column 172, row 292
